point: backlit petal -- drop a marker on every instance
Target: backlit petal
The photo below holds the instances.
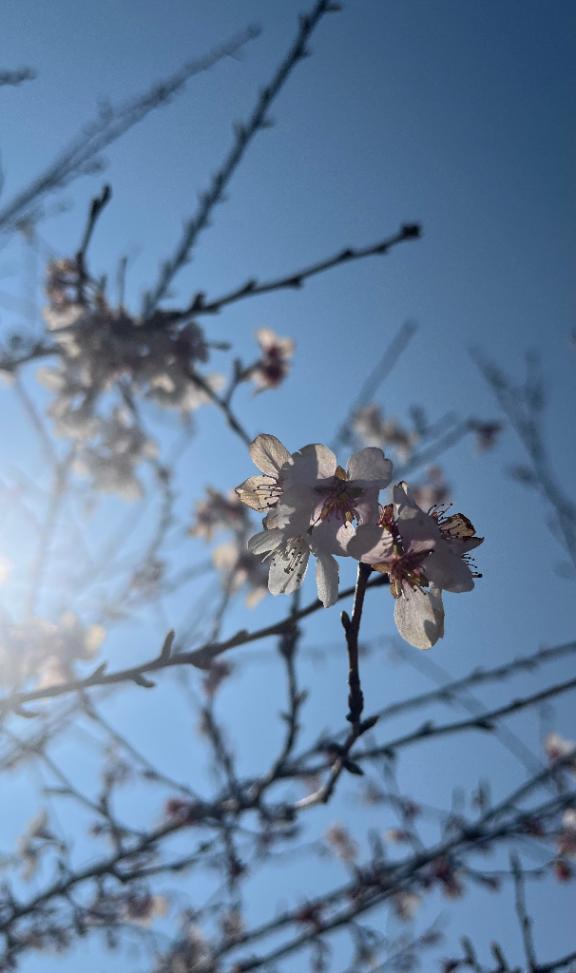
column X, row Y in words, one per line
column 288, row 567
column 268, row 454
column 327, row 579
column 370, row 464
column 419, row 616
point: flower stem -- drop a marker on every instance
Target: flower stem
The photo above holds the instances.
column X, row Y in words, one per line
column 352, row 631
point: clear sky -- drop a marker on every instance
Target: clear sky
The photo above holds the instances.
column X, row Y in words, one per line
column 454, row 113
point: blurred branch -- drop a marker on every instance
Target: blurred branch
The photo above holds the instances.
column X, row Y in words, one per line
column 523, row 407
column 379, row 373
column 16, row 76
column 244, row 133
column 80, row 156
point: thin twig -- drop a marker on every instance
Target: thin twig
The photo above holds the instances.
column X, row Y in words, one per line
column 295, row 280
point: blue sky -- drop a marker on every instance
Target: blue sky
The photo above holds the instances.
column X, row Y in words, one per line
column 454, row 114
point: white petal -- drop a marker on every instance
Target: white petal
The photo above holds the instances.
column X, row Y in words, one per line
column 288, row 567
column 313, row 462
column 402, row 498
column 370, row 464
column 268, row 454
column 258, row 492
column 266, row 337
column 445, row 569
column 294, row 514
column 327, row 579
column 419, row 616
column 265, row 541
column 371, row 544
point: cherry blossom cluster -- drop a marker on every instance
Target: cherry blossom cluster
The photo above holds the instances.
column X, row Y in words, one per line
column 313, row 505
column 100, row 344
column 103, row 351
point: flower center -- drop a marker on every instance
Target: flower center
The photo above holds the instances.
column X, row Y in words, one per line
column 340, row 499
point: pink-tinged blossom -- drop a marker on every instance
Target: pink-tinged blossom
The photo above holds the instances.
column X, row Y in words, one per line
column 313, row 507
column 348, row 498
column 275, row 463
column 308, row 490
column 423, row 553
column 453, row 538
column 274, row 363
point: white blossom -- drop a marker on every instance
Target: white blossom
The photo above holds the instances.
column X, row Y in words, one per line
column 289, row 556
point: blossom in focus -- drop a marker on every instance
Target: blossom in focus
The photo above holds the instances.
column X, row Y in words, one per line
column 313, row 507
column 423, row 553
column 344, row 499
column 281, row 473
column 289, row 555
column 447, row 566
column 306, row 489
column 273, row 366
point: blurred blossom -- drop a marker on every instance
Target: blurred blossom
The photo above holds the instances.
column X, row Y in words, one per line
column 406, row 905
column 566, row 840
column 557, row 747
column 111, row 457
column 434, row 491
column 487, row 433
column 100, row 346
column 143, row 907
column 372, row 429
column 274, row 363
column 35, row 840
column 232, row 923
column 342, row 843
column 45, row 651
column 218, row 511
column 191, row 953
column 241, row 569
